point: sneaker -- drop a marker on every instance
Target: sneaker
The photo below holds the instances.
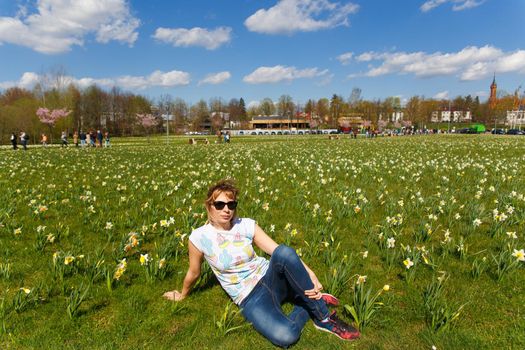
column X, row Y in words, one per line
column 329, row 299
column 337, row 327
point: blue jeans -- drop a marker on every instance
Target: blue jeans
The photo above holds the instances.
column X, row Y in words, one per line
column 285, row 280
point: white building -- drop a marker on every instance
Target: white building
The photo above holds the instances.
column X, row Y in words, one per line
column 451, row 116
column 515, row 119
column 397, row 117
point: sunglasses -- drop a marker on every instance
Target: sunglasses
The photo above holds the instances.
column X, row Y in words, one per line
column 219, row 205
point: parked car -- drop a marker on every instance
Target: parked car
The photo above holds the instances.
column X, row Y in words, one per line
column 515, row 132
column 498, row 132
column 467, row 131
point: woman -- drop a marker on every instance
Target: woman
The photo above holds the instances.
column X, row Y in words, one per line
column 256, row 285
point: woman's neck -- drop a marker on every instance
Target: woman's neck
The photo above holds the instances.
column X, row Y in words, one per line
column 225, row 227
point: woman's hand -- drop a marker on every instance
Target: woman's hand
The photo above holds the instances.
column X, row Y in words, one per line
column 173, row 295
column 315, row 292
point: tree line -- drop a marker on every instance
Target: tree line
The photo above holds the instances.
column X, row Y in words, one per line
column 116, row 110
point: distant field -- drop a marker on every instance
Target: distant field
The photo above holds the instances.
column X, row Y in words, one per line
column 452, row 205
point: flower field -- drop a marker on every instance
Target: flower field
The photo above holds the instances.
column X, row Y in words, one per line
column 422, row 238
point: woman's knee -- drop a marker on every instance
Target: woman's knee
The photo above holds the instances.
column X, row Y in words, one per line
column 284, row 336
column 285, row 252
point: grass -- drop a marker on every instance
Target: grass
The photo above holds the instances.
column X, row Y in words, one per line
column 312, row 183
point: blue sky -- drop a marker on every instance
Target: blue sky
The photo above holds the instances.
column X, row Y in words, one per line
column 258, row 48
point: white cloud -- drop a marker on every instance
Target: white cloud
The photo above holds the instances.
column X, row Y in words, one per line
column 210, row 39
column 253, row 104
column 367, row 56
column 457, row 5
column 155, row 79
column 345, row 58
column 27, row 81
column 290, row 16
column 471, row 63
column 276, row 74
column 216, row 78
column 481, row 93
column 443, row 95
column 59, row 24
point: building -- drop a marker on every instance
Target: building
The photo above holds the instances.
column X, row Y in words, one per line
column 515, row 119
column 279, row 122
column 493, row 100
column 451, row 116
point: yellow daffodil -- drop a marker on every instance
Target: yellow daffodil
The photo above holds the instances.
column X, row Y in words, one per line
column 408, row 263
column 519, row 254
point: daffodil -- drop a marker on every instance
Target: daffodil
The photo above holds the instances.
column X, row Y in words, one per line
column 519, row 254
column 162, row 263
column 408, row 263
column 68, row 259
column 144, row 259
column 361, row 279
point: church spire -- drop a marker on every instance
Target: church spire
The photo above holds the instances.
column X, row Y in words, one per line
column 493, row 90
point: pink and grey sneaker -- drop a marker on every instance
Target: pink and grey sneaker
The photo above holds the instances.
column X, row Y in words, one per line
column 337, row 327
column 329, row 299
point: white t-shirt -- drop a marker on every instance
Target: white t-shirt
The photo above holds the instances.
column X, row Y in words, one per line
column 231, row 256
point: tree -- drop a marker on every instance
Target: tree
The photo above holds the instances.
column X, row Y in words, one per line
column 309, row 107
column 389, row 106
column 335, row 109
column 266, row 107
column 242, row 108
column 217, row 104
column 180, row 113
column 92, row 106
column 199, row 114
column 147, row 121
column 234, row 109
column 322, row 109
column 166, row 109
column 50, row 117
column 412, row 108
column 355, row 97
column 286, row 107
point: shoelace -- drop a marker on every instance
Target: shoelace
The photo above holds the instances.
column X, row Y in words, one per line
column 339, row 323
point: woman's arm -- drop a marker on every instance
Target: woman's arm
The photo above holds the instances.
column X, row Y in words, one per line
column 194, row 271
column 263, row 241
column 268, row 245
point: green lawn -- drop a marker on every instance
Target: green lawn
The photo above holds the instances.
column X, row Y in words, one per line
column 68, row 218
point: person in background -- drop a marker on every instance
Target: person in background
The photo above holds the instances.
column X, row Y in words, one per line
column 14, row 141
column 43, row 140
column 75, row 138
column 92, row 138
column 257, row 285
column 63, row 138
column 106, row 137
column 24, row 138
column 99, row 138
column 82, row 138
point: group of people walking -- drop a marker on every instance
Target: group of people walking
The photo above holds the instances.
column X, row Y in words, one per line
column 92, row 138
column 89, row 139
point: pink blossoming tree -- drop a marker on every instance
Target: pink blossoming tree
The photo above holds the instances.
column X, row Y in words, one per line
column 147, row 121
column 50, row 117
